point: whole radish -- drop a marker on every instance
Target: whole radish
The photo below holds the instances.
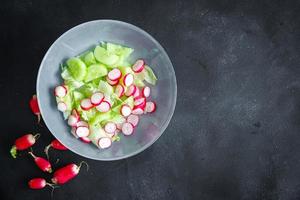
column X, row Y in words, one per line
column 23, row 143
column 42, row 163
column 38, row 183
column 34, row 106
column 66, row 173
column 55, row 144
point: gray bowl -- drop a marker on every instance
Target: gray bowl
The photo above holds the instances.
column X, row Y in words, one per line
column 83, row 37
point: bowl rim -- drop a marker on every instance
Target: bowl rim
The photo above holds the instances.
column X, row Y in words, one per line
column 165, row 124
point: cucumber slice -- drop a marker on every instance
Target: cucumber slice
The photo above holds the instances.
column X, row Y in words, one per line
column 76, row 68
column 95, row 71
column 104, row 57
column 149, row 75
column 89, row 58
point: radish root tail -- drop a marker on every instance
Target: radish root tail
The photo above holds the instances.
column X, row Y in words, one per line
column 46, row 150
column 83, row 162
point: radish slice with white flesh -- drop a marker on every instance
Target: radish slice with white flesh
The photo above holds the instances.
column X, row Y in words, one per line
column 137, row 92
column 150, row 107
column 138, row 111
column 127, row 128
column 130, row 90
column 85, row 139
column 138, row 66
column 114, row 74
column 72, row 120
column 125, row 110
column 82, row 123
column 133, row 119
column 104, row 142
column 73, row 131
column 128, row 79
column 146, row 91
column 97, row 98
column 75, row 114
column 86, row 104
column 60, row 91
column 140, row 102
column 112, row 83
column 104, row 106
column 61, row 106
column 119, row 91
column 82, row 131
column 110, row 127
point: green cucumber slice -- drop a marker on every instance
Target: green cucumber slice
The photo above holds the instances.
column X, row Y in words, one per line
column 104, row 57
column 95, row 71
column 76, row 68
column 89, row 58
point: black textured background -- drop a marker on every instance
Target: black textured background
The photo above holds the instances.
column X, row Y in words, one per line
column 235, row 133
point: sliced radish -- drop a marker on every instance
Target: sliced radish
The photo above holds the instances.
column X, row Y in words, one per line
column 125, row 110
column 75, row 113
column 119, row 91
column 72, row 120
column 111, row 134
column 104, row 142
column 104, row 106
column 60, row 91
column 82, row 131
column 133, row 119
column 150, row 107
column 82, row 123
column 138, row 66
column 146, row 91
column 110, row 127
column 85, row 139
column 86, row 104
column 127, row 128
column 130, row 90
column 128, row 79
column 114, row 74
column 97, row 98
column 112, row 83
column 137, row 111
column 73, row 131
column 140, row 102
column 137, row 92
column 119, row 126
column 61, row 106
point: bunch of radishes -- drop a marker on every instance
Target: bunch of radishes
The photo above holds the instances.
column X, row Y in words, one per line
column 25, row 142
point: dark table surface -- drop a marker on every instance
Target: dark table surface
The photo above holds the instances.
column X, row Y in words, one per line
column 235, row 133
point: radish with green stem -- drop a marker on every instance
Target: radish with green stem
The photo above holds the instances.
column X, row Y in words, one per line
column 23, row 143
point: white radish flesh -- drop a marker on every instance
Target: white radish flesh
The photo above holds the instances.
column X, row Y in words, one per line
column 72, row 120
column 137, row 92
column 82, row 131
column 133, row 119
column 130, row 90
column 110, row 127
column 125, row 110
column 61, row 106
column 97, row 98
column 86, row 104
column 140, row 102
column 112, row 83
column 114, row 74
column 150, row 107
column 128, row 80
column 137, row 111
column 82, row 123
column 104, row 106
column 119, row 91
column 138, row 66
column 75, row 114
column 127, row 128
column 60, row 91
column 146, row 91
column 104, row 142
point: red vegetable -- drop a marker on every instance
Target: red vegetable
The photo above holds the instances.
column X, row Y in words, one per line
column 23, row 143
column 38, row 183
column 42, row 163
column 55, row 144
column 66, row 173
column 35, row 107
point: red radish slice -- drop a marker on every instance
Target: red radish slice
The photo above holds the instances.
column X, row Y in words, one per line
column 146, row 91
column 82, row 123
column 61, row 106
column 150, row 107
column 130, row 90
column 86, row 104
column 104, row 142
column 133, row 119
column 125, row 110
column 140, row 102
column 82, row 131
column 137, row 111
column 128, row 79
column 137, row 92
column 97, row 98
column 110, row 127
column 34, row 106
column 112, row 83
column 104, row 106
column 23, row 143
column 60, row 91
column 114, row 74
column 75, row 113
column 72, row 120
column 119, row 91
column 85, row 139
column 138, row 66
column 127, row 128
